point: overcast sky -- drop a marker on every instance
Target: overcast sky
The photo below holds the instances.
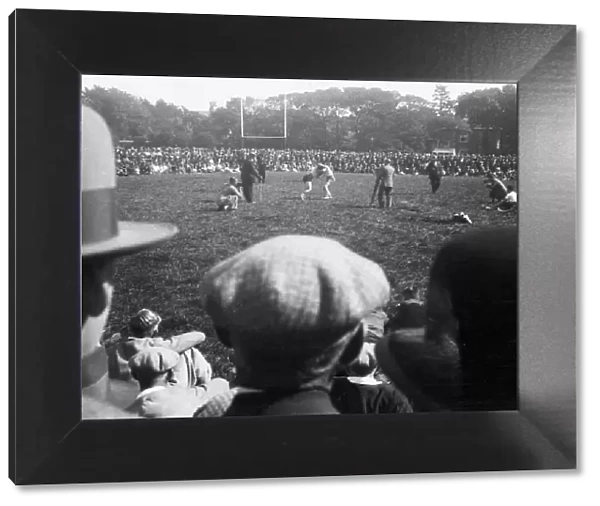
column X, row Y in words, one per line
column 196, row 93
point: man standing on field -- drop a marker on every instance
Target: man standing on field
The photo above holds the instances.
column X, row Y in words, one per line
column 384, row 184
column 434, row 172
column 249, row 175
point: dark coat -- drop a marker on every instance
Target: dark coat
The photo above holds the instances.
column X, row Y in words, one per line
column 433, row 170
column 351, row 398
column 310, row 402
column 248, row 172
column 409, row 314
column 262, row 168
column 262, row 403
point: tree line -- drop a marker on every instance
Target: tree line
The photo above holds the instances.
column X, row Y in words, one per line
column 354, row 119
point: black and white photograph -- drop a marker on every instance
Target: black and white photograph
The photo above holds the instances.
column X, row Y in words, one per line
column 295, row 247
column 259, row 246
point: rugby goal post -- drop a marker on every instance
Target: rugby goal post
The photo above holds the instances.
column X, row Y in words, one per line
column 283, row 137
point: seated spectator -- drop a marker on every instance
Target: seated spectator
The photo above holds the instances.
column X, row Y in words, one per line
column 466, row 359
column 356, row 390
column 509, row 202
column 141, row 333
column 160, row 396
column 497, row 189
column 410, row 313
column 101, row 247
column 292, row 310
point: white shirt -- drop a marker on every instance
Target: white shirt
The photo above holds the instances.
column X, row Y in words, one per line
column 511, row 197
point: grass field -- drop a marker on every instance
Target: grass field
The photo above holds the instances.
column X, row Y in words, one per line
column 403, row 240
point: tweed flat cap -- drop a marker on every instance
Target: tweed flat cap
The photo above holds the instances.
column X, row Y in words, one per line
column 155, row 359
column 293, row 286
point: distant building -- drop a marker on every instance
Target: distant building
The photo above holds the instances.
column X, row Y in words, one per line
column 135, row 141
column 483, row 141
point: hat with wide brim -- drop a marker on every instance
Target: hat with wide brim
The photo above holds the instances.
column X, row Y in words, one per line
column 132, row 237
column 101, row 232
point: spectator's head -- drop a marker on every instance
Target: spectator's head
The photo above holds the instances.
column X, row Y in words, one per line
column 510, row 188
column 144, row 323
column 410, row 293
column 233, row 181
column 153, row 366
column 467, row 358
column 104, row 240
column 365, row 364
column 292, row 309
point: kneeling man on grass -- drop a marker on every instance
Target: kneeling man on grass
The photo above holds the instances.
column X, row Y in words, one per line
column 498, row 191
column 228, row 200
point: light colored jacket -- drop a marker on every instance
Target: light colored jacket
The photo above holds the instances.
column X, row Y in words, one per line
column 168, row 401
column 192, row 369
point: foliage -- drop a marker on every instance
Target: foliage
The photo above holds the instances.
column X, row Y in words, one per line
column 352, row 118
column 492, row 108
column 444, row 105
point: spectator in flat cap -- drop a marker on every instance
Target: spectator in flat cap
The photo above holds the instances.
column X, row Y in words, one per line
column 292, row 309
column 466, row 359
column 104, row 240
column 141, row 333
column 154, row 369
column 356, row 390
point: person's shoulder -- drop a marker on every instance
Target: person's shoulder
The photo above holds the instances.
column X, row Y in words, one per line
column 395, row 401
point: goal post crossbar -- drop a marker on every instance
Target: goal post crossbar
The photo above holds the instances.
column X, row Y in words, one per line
column 261, row 137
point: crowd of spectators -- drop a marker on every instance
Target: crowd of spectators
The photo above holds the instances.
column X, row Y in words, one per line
column 145, row 160
column 302, row 317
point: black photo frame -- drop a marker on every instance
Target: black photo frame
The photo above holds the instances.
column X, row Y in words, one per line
column 50, row 50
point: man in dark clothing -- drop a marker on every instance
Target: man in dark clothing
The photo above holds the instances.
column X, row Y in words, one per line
column 262, row 168
column 249, row 175
column 292, row 308
column 467, row 357
column 434, row 171
column 409, row 314
column 357, row 391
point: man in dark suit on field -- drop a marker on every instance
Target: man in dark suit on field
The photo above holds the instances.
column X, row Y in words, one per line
column 262, row 168
column 249, row 175
column 434, row 172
